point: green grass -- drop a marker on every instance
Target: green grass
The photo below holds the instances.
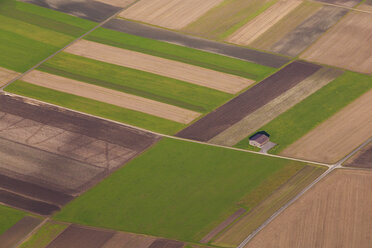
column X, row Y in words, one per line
column 306, row 115
column 140, row 83
column 177, row 189
column 95, row 108
column 44, row 235
column 8, row 217
column 183, row 54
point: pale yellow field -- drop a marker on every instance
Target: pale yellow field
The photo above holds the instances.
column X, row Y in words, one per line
column 337, row 136
column 174, row 14
column 168, row 68
column 259, row 25
column 7, row 75
column 117, row 98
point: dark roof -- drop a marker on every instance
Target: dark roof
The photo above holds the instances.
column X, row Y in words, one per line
column 260, row 138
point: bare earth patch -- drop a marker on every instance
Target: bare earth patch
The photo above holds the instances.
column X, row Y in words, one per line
column 124, row 240
column 111, row 96
column 347, row 45
column 168, row 68
column 174, row 14
column 118, row 3
column 367, row 5
column 337, row 212
column 6, row 75
column 255, row 28
column 347, row 3
column 362, row 159
column 337, row 136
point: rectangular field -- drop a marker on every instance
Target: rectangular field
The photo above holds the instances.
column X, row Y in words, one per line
column 362, row 159
column 347, row 45
column 248, row 102
column 176, row 189
column 336, row 212
column 8, row 217
column 338, row 136
column 173, row 14
column 6, row 75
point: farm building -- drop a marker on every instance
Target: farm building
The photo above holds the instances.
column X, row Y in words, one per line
column 259, row 140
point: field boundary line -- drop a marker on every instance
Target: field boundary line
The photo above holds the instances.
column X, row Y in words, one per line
column 344, row 7
column 169, row 136
column 37, row 228
column 63, row 48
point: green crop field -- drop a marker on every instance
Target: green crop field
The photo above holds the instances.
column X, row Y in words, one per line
column 30, row 33
column 183, row 54
column 8, row 217
column 44, row 235
column 140, row 83
column 95, row 107
column 306, row 115
column 178, row 190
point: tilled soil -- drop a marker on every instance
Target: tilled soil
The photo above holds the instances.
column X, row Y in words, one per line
column 363, row 158
column 347, row 3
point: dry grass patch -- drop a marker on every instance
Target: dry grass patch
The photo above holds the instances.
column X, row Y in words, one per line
column 174, row 14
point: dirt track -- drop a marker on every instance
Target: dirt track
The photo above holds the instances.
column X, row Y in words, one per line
column 347, row 45
column 174, row 14
column 337, row 136
column 259, row 25
column 274, row 108
column 113, row 97
column 6, row 75
column 363, row 158
column 249, row 101
column 168, row 68
column 336, row 212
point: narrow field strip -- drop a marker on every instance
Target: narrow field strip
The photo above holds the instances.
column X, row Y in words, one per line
column 173, row 14
column 9, row 217
column 337, row 136
column 255, row 28
column 110, row 96
column 7, row 75
column 275, row 107
column 346, row 3
column 188, row 73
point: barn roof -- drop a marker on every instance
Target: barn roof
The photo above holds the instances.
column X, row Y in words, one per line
column 260, row 138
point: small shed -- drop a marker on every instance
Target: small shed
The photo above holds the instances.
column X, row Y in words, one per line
column 259, row 139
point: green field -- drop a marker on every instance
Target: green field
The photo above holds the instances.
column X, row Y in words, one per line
column 179, row 53
column 96, row 108
column 30, row 33
column 140, row 83
column 306, row 115
column 178, row 190
column 8, row 217
column 44, row 235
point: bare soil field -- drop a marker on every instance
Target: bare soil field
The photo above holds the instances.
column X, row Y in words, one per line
column 165, row 243
column 248, row 102
column 337, row 136
column 6, row 75
column 89, row 9
column 347, row 3
column 347, row 45
column 367, row 5
column 362, row 159
column 275, row 107
column 118, row 3
column 173, row 69
column 308, row 31
column 173, row 14
column 155, row 33
column 259, row 25
column 78, row 237
column 336, row 212
column 128, row 240
column 110, row 96
column 23, row 227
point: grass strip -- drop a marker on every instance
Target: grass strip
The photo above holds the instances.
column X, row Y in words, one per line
column 136, row 82
column 179, row 53
column 8, row 217
column 180, row 182
column 95, row 108
column 315, row 109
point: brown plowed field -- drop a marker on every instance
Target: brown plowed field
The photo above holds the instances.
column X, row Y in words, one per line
column 249, row 101
column 259, row 25
column 362, row 159
column 174, row 14
column 168, row 68
column 164, row 243
column 347, row 45
column 336, row 212
column 110, row 96
column 6, row 75
column 128, row 240
column 274, row 108
column 79, row 237
column 337, row 136
column 14, row 234
column 347, row 3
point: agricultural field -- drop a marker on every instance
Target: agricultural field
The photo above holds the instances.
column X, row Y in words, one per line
column 9, row 217
column 216, row 182
column 347, row 45
column 366, row 5
column 30, row 34
column 362, row 159
column 346, row 3
column 334, row 213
